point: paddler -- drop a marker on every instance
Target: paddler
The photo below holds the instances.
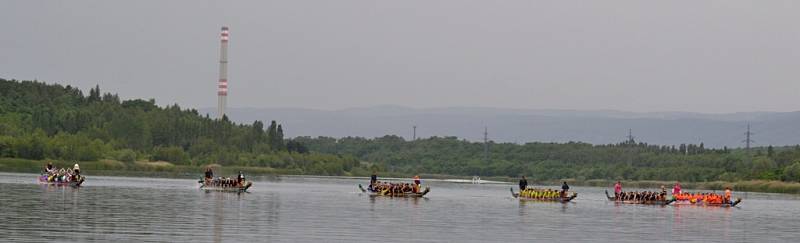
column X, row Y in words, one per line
column 523, row 183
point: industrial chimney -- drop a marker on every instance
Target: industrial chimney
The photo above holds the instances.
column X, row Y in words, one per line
column 222, row 92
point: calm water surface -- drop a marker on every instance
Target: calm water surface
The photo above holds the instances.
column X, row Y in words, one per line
column 297, row 209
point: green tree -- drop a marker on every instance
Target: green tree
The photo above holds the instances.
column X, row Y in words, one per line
column 792, row 172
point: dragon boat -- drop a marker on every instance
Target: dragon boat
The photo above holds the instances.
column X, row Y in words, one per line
column 45, row 180
column 387, row 193
column 215, row 185
column 707, row 204
column 645, row 202
column 544, row 199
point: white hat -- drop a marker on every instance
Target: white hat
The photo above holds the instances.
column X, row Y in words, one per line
column 76, row 167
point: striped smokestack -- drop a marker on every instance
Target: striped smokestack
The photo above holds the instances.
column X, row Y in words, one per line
column 222, row 92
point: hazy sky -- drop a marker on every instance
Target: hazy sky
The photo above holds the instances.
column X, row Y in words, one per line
column 703, row 56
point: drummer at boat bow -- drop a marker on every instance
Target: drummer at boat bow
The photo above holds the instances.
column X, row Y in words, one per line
column 76, row 172
column 209, row 174
column 49, row 168
column 677, row 189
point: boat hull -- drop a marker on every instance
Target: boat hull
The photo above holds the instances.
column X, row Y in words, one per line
column 376, row 193
column 43, row 180
column 208, row 187
column 557, row 199
column 705, row 204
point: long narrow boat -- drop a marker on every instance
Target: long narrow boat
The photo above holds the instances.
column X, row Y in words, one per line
column 551, row 199
column 215, row 187
column 646, row 202
column 377, row 193
column 43, row 180
column 707, row 204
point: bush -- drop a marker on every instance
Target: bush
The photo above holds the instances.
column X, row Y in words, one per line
column 172, row 154
column 792, row 172
column 125, row 155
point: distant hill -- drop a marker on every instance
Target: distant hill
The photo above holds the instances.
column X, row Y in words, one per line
column 522, row 125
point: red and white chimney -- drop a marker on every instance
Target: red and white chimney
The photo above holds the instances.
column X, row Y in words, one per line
column 222, row 92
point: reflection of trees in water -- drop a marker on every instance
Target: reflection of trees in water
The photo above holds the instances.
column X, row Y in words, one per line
column 220, row 199
column 59, row 205
column 219, row 217
column 272, row 209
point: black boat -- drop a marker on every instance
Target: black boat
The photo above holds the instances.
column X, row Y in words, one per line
column 645, row 202
column 389, row 194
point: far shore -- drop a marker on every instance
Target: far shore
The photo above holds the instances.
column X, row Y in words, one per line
column 162, row 169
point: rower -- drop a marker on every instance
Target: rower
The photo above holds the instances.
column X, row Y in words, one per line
column 617, row 189
column 523, row 183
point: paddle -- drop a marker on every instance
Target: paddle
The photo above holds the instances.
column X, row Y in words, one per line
column 362, row 188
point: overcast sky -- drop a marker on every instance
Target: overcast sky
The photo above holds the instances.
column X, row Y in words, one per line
column 701, row 56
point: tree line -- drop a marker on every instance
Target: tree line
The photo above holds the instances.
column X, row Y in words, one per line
column 41, row 121
column 627, row 160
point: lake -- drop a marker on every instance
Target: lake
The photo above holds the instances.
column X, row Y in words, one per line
column 314, row 209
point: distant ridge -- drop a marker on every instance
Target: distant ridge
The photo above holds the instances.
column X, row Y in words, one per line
column 533, row 125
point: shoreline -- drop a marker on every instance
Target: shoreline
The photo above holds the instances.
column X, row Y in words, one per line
column 168, row 170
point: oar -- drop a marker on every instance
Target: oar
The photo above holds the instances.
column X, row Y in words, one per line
column 362, row 188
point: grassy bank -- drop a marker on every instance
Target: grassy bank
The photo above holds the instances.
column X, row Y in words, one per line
column 138, row 169
column 166, row 169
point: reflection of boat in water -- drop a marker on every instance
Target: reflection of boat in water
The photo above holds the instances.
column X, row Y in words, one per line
column 223, row 187
column 707, row 204
column 544, row 199
column 389, row 194
column 73, row 183
column 645, row 202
